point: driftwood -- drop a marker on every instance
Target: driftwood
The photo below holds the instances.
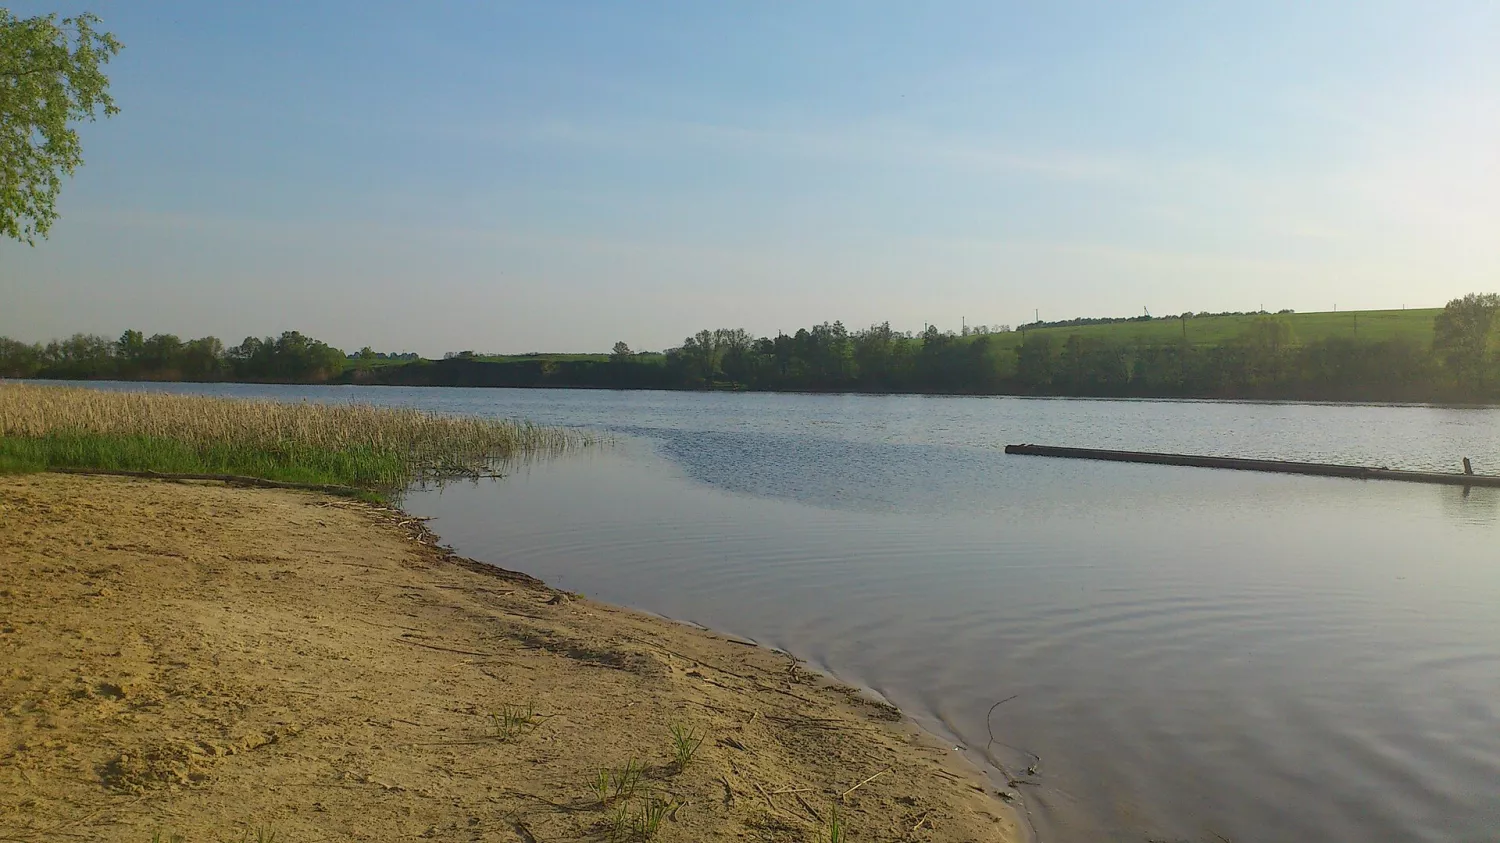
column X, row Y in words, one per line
column 845, row 794
column 1356, row 472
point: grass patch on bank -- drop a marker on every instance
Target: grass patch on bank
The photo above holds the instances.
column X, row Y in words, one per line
column 356, row 445
column 361, row 467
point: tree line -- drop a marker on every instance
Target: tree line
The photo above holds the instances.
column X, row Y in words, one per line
column 1462, row 362
column 291, row 357
column 1266, row 360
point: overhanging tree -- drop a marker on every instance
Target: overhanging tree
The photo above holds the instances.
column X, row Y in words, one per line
column 51, row 77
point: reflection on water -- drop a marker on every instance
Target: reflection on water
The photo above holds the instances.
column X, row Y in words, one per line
column 1471, row 504
column 1194, row 654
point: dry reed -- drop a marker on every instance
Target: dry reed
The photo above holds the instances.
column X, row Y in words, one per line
column 421, row 443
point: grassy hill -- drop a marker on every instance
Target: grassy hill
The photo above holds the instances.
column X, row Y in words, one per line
column 550, row 357
column 1366, row 325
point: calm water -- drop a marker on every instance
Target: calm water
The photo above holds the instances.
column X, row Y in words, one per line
column 1194, row 652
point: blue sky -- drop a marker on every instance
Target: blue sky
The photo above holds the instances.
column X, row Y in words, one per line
column 558, row 176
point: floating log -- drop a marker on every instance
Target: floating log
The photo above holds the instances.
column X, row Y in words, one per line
column 1357, row 472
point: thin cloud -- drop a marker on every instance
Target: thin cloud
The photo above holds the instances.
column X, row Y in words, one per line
column 876, row 142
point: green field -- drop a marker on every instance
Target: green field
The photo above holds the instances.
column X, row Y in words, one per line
column 1364, row 325
column 539, row 357
column 377, row 363
column 562, row 357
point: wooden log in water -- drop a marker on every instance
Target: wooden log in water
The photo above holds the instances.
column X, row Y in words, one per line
column 1357, row 472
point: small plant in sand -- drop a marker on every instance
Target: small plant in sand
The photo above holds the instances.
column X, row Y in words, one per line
column 641, row 825
column 685, row 743
column 514, row 721
column 619, row 824
column 624, row 781
column 836, row 830
column 647, row 820
column 600, row 786
column 617, row 785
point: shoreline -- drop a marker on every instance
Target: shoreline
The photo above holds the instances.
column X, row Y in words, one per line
column 202, row 660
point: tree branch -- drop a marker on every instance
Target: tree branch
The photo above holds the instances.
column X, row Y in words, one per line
column 19, row 74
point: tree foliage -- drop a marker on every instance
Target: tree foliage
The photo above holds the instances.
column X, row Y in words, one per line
column 1464, row 336
column 290, row 357
column 51, row 77
column 1266, row 359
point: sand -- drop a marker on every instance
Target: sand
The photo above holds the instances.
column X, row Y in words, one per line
column 215, row 662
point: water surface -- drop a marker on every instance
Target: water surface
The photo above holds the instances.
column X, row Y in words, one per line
column 1192, row 652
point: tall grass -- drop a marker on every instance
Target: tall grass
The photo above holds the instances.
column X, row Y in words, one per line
column 341, row 444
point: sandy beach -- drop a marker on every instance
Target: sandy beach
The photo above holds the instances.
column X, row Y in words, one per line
column 211, row 662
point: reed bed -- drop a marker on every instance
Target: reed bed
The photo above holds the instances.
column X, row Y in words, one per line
column 344, row 444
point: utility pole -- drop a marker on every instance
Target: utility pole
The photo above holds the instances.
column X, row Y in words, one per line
column 1182, row 356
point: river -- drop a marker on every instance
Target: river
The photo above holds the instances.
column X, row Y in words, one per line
column 1188, row 654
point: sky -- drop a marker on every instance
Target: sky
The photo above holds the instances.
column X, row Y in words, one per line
column 512, row 177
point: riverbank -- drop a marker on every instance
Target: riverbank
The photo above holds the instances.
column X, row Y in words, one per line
column 206, row 661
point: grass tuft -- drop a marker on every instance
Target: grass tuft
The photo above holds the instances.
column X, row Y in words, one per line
column 836, row 830
column 619, row 824
column 601, row 786
column 647, row 821
column 513, row 721
column 685, row 744
column 624, row 781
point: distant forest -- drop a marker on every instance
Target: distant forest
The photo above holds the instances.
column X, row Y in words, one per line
column 291, row 358
column 1452, row 354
